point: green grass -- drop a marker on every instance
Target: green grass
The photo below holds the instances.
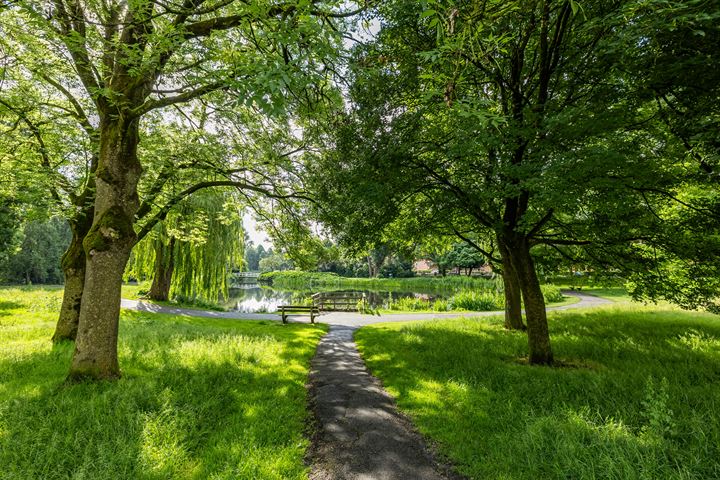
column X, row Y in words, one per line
column 616, row 294
column 199, row 398
column 637, row 399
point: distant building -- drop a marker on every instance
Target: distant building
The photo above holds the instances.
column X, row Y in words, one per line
column 425, row 266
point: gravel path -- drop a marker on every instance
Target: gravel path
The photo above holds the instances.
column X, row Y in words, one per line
column 360, row 434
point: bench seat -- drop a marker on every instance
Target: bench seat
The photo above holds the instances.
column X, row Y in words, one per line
column 311, row 310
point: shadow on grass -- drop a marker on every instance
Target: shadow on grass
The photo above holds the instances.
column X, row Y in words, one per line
column 498, row 419
column 195, row 401
column 6, row 306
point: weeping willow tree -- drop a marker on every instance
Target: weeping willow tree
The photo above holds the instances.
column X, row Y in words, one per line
column 190, row 254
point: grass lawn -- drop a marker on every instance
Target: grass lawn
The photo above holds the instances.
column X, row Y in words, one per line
column 641, row 401
column 616, row 294
column 199, row 398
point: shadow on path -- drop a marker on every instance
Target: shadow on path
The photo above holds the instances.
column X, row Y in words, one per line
column 361, row 435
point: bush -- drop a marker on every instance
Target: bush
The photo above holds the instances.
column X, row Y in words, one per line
column 298, row 279
column 409, row 303
column 552, row 294
column 481, row 301
column 440, row 306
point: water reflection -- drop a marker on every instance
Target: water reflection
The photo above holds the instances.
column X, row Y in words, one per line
column 253, row 298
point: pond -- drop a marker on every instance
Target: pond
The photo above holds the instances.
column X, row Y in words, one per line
column 254, row 298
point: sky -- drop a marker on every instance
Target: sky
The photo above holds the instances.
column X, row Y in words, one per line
column 254, row 230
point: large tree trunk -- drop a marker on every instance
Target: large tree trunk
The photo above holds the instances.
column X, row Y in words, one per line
column 107, row 247
column 540, row 352
column 513, row 308
column 164, row 266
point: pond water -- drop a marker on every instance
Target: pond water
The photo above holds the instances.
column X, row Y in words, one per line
column 254, row 298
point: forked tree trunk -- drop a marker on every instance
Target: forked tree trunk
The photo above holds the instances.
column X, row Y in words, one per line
column 73, row 265
column 513, row 307
column 164, row 266
column 107, row 247
column 539, row 349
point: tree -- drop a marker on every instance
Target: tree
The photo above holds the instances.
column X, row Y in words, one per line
column 38, row 259
column 191, row 253
column 9, row 229
column 466, row 257
column 132, row 58
column 508, row 113
column 275, row 262
column 253, row 255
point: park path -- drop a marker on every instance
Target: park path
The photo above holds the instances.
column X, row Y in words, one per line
column 348, row 319
column 360, row 434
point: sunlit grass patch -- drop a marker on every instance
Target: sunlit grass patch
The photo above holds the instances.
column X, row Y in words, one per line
column 199, row 398
column 637, row 396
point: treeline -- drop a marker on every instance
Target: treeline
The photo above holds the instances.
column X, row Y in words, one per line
column 32, row 252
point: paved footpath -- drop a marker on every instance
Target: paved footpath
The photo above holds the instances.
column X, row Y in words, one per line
column 360, row 433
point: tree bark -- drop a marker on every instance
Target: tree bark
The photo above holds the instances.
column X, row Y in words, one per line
column 164, row 266
column 513, row 308
column 107, row 248
column 540, row 351
column 73, row 265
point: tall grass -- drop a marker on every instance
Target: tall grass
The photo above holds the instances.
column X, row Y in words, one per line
column 474, row 300
column 405, row 304
column 468, row 300
column 199, row 398
column 636, row 399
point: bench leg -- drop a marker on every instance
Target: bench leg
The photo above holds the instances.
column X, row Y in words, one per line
column 284, row 317
column 312, row 318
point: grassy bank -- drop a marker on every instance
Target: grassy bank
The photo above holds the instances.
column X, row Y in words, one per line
column 199, row 398
column 638, row 396
column 292, row 279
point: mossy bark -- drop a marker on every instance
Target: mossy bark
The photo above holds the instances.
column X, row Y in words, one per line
column 539, row 348
column 107, row 247
column 73, row 265
column 164, row 267
column 511, row 283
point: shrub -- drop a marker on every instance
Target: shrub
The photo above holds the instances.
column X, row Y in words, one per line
column 409, row 303
column 440, row 306
column 480, row 301
column 552, row 293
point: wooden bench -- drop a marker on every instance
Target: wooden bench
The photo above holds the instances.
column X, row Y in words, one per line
column 286, row 310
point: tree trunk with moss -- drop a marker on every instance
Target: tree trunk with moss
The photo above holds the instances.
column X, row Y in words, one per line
column 164, row 267
column 107, row 248
column 73, row 265
column 539, row 349
column 511, row 284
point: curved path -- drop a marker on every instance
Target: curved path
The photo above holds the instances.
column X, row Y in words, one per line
column 348, row 319
column 360, row 434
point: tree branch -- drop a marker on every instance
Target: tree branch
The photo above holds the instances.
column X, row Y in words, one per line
column 240, row 185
